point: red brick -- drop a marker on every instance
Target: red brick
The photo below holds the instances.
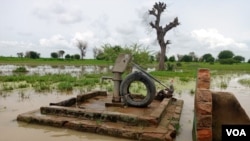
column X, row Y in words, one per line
column 204, row 135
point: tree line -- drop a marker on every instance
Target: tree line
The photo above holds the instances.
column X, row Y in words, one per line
column 141, row 55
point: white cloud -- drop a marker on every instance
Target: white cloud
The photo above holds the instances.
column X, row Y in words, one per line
column 147, row 41
column 42, row 23
column 54, row 41
column 214, row 39
column 59, row 42
column 11, row 48
column 87, row 36
column 58, row 11
column 13, row 44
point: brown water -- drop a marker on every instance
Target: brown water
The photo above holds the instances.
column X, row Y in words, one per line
column 14, row 103
column 11, row 130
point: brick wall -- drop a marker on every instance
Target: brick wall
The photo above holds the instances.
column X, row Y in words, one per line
column 202, row 130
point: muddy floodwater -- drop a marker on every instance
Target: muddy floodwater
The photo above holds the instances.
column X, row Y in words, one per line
column 13, row 103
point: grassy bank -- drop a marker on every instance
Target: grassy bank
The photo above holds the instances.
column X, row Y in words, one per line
column 190, row 69
column 192, row 66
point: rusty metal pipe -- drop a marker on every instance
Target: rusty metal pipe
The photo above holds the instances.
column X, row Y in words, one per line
column 117, row 78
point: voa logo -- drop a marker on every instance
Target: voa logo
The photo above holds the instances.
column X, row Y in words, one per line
column 236, row 132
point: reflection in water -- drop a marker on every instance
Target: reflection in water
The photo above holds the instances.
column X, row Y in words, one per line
column 47, row 69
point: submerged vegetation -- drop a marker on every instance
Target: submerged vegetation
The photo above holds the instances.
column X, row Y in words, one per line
column 181, row 72
column 20, row 70
column 63, row 82
column 245, row 82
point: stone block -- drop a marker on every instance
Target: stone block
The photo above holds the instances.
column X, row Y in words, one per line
column 152, row 137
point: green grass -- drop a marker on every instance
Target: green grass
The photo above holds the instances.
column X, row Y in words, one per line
column 190, row 69
column 216, row 66
column 49, row 81
column 65, row 86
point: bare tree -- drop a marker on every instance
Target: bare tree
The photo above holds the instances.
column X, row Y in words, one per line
column 20, row 54
column 193, row 55
column 156, row 11
column 82, row 46
column 96, row 52
column 61, row 53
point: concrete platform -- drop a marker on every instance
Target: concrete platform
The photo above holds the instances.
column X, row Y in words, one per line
column 94, row 112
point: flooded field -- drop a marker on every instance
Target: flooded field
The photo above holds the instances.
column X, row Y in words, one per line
column 15, row 102
column 47, row 69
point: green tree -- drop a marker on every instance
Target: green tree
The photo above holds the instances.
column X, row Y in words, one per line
column 54, row 55
column 32, row 55
column 225, row 54
column 239, row 58
column 67, row 56
column 171, row 58
column 76, row 56
column 207, row 58
column 161, row 31
column 140, row 54
column 110, row 52
column 187, row 58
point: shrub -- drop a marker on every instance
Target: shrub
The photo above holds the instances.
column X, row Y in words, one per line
column 20, row 69
column 227, row 61
column 170, row 67
column 178, row 64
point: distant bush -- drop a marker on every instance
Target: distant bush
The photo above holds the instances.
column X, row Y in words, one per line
column 20, row 69
column 186, row 58
column 76, row 56
column 171, row 59
column 228, row 61
column 32, row 55
column 170, row 67
column 140, row 54
column 54, row 55
column 67, row 56
column 178, row 64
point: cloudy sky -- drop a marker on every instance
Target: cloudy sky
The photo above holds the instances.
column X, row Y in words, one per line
column 47, row 26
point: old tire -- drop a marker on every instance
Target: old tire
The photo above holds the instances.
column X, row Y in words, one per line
column 149, row 84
